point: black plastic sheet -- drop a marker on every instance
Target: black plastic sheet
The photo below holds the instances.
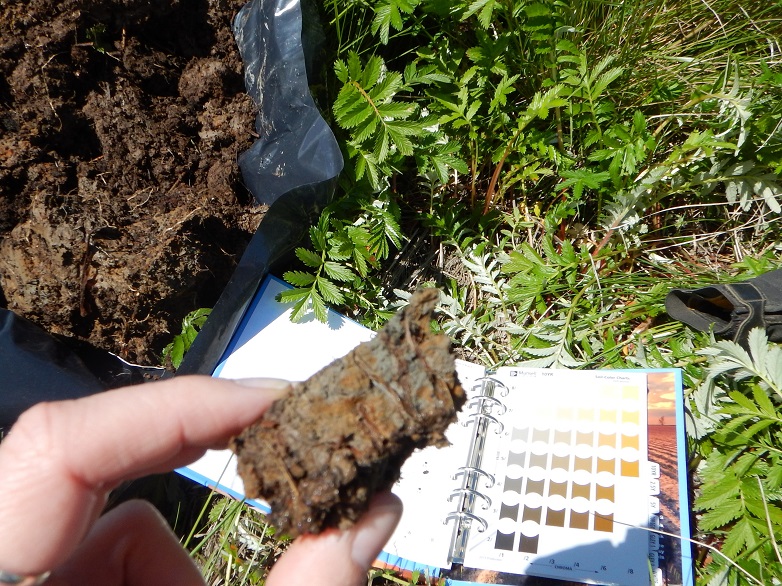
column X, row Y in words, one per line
column 37, row 367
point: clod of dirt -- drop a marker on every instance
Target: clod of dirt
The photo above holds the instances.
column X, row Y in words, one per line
column 121, row 203
column 320, row 454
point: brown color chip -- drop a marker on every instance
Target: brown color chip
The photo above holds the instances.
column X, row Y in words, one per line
column 318, row 455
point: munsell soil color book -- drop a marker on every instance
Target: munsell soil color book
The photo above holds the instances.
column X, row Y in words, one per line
column 552, row 476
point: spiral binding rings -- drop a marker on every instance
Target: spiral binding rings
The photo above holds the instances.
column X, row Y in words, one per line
column 472, row 493
column 483, row 399
column 490, row 391
column 478, row 471
column 481, row 415
column 463, row 516
column 504, row 390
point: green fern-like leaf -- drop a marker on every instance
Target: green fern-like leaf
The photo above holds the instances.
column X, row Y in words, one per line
column 383, row 126
column 301, row 307
column 388, row 14
column 309, row 258
column 329, row 291
column 338, row 272
column 367, row 164
column 743, row 535
column 485, row 10
column 720, row 516
column 581, row 179
column 293, row 295
column 299, row 278
column 442, row 158
column 721, row 496
column 382, row 230
column 191, row 325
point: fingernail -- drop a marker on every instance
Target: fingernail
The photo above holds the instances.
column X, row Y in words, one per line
column 271, row 384
column 375, row 529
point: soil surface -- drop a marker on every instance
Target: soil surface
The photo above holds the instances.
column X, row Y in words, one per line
column 121, row 204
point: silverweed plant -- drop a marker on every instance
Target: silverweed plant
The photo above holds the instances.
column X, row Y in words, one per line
column 740, row 430
column 175, row 351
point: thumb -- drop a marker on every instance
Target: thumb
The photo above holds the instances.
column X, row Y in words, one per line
column 339, row 558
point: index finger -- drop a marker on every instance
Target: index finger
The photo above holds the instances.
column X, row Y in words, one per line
column 60, row 459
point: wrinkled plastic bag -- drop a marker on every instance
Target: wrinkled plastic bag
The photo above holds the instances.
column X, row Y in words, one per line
column 296, row 147
column 292, row 167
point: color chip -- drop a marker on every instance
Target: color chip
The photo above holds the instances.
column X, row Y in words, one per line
column 535, row 486
column 581, row 490
column 528, row 544
column 557, row 488
column 604, row 523
column 504, row 541
column 606, row 465
column 630, row 441
column 540, row 435
column 539, row 460
column 585, row 438
column 509, row 511
column 605, row 492
column 555, row 518
column 606, row 439
column 564, row 414
column 517, row 459
column 582, row 464
column 579, row 520
column 630, row 417
column 532, row 514
column 630, row 469
column 513, row 484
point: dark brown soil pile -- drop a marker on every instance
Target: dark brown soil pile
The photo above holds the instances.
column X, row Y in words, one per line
column 121, row 207
column 319, row 455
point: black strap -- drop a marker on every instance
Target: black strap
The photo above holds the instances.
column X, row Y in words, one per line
column 755, row 303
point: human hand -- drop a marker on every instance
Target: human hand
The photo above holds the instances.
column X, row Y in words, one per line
column 61, row 459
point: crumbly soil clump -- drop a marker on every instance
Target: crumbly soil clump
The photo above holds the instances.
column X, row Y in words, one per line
column 121, row 205
column 321, row 453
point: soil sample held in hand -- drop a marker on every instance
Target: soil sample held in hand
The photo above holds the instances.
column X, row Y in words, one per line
column 321, row 453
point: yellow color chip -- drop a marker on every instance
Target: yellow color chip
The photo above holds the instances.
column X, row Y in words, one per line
column 630, row 469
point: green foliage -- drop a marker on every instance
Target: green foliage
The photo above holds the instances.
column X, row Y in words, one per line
column 547, row 305
column 741, row 494
column 342, row 262
column 458, row 104
column 98, row 36
column 390, row 13
column 191, row 324
column 383, row 129
column 237, row 545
